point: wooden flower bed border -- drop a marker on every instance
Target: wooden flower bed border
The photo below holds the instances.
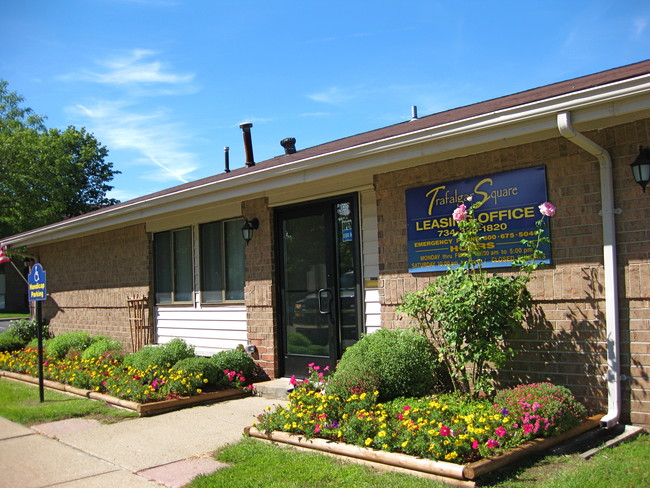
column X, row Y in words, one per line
column 450, row 473
column 143, row 409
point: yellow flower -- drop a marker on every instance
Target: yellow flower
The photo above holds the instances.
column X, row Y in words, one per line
column 382, row 433
column 368, row 441
column 405, row 443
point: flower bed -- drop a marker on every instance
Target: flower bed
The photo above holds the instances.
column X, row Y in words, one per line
column 451, row 473
column 155, row 389
column 453, row 429
column 143, row 409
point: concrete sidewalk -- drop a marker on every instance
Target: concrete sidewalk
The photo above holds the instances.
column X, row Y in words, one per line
column 168, row 450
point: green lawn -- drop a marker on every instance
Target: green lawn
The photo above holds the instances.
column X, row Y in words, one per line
column 258, row 464
column 20, row 402
column 14, row 315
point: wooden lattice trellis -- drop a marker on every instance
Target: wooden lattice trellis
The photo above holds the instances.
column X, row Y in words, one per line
column 142, row 332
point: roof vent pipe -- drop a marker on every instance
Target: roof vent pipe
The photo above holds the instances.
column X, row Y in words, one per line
column 289, row 145
column 248, row 143
column 226, row 157
column 414, row 112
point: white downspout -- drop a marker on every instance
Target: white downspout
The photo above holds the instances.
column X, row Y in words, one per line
column 609, row 255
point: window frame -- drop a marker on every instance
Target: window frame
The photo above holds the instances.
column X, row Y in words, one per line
column 171, row 271
column 223, row 275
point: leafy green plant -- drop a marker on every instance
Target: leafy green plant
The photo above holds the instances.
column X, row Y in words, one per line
column 200, row 365
column 394, row 362
column 467, row 314
column 9, row 341
column 234, row 360
column 60, row 345
column 102, row 347
column 164, row 356
column 27, row 329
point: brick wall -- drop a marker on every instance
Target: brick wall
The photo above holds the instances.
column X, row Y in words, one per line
column 258, row 292
column 90, row 278
column 566, row 341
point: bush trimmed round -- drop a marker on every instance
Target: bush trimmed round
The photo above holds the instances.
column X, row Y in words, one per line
column 394, row 362
column 201, row 365
column 103, row 346
column 61, row 344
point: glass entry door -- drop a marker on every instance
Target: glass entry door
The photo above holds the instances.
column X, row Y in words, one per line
column 318, row 271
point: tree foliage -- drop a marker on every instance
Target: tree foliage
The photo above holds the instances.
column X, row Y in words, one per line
column 46, row 175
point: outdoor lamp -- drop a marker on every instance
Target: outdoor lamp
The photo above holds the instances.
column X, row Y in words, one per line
column 641, row 167
column 248, row 228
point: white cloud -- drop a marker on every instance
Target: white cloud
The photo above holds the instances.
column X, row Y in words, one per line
column 154, row 145
column 640, row 25
column 333, row 95
column 159, row 142
column 135, row 68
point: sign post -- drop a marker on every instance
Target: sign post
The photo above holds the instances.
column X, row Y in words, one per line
column 37, row 292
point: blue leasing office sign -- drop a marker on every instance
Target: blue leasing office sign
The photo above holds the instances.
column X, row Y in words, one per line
column 507, row 207
column 36, row 290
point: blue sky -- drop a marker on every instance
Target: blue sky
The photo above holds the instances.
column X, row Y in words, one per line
column 164, row 84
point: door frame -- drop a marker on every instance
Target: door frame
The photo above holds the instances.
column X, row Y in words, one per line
column 332, row 258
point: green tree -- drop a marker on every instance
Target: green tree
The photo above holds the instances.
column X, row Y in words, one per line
column 46, row 175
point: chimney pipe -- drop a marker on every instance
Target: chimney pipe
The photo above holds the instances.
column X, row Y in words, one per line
column 248, row 143
column 414, row 112
column 289, row 145
column 226, row 155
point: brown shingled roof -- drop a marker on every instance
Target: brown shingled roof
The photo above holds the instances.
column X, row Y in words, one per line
column 426, row 122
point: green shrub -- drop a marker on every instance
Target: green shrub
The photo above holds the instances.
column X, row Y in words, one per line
column 205, row 366
column 10, row 342
column 165, row 355
column 75, row 341
column 395, row 362
column 34, row 343
column 101, row 346
column 233, row 360
column 26, row 329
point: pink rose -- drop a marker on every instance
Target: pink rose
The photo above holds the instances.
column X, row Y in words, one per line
column 547, row 209
column 460, row 213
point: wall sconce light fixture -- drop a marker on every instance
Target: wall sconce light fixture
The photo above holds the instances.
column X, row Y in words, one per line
column 641, row 167
column 248, row 228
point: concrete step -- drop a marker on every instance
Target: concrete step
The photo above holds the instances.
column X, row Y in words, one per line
column 278, row 388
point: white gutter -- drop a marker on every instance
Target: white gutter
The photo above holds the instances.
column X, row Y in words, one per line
column 609, row 255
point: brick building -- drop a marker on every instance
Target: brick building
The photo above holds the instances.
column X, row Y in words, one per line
column 333, row 240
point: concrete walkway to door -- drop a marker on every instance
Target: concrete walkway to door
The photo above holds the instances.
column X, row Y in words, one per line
column 169, row 449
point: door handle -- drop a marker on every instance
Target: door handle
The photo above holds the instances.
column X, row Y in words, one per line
column 324, row 301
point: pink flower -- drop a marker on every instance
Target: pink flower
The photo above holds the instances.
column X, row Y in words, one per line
column 407, row 408
column 445, row 431
column 317, row 429
column 547, row 209
column 293, row 381
column 500, row 431
column 475, row 445
column 491, row 443
column 528, row 428
column 460, row 213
